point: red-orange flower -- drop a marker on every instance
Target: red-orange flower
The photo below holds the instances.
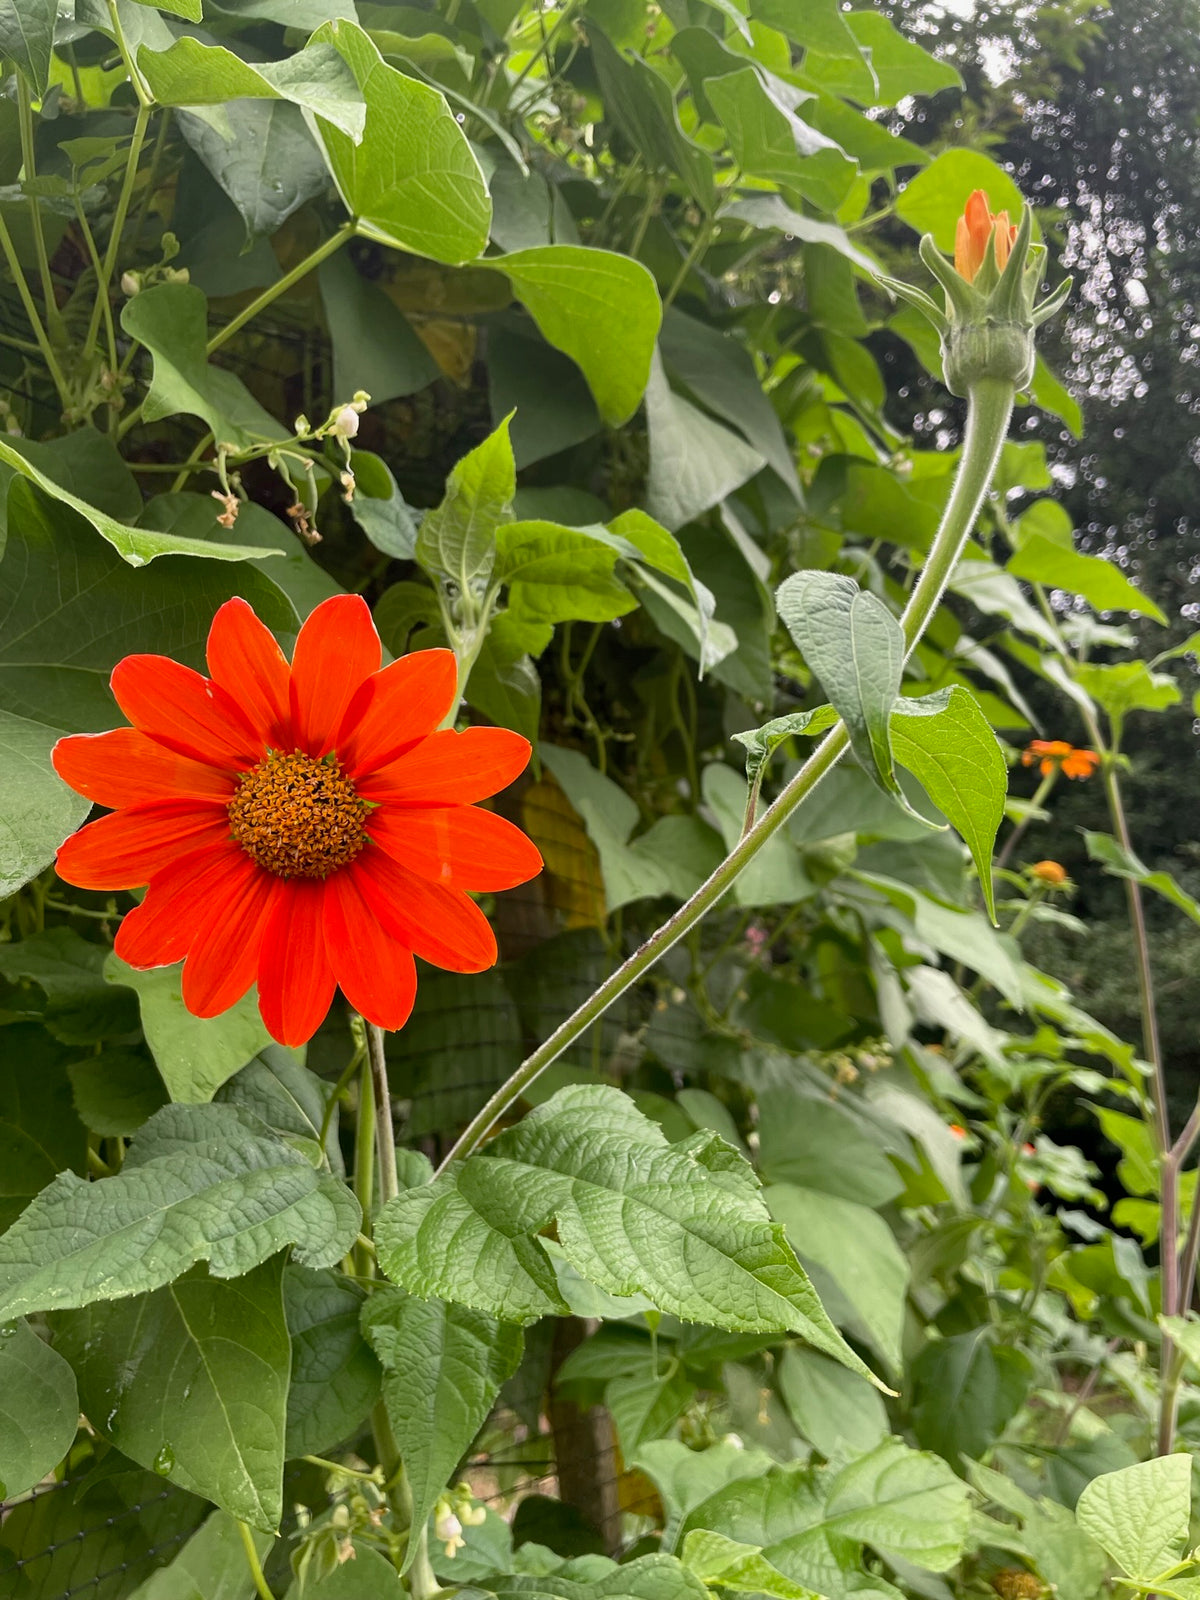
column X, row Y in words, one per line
column 301, row 827
column 977, row 227
column 1052, row 754
column 1051, row 873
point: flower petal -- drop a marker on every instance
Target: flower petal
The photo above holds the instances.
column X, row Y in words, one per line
column 449, row 768
column 460, row 846
column 296, row 985
column 441, row 925
column 124, row 767
column 163, row 928
column 127, row 848
column 244, row 659
column 223, row 961
column 185, row 711
column 376, row 973
column 336, row 651
column 397, row 707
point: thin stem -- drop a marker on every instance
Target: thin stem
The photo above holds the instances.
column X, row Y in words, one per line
column 352, row 1066
column 190, row 465
column 364, row 1158
column 160, row 141
column 281, row 286
column 1014, row 838
column 54, row 321
column 144, row 98
column 89, row 240
column 17, row 274
column 389, row 1186
column 118, row 223
column 699, row 244
column 261, row 1586
column 547, row 40
column 989, row 409
column 347, row 1472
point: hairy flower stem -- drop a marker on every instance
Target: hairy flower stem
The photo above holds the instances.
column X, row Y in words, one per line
column 989, row 408
column 385, row 1133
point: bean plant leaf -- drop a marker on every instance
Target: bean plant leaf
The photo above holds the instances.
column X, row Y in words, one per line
column 201, row 1183
column 694, row 461
column 316, row 78
column 947, row 744
column 1102, row 847
column 685, row 1225
column 40, row 1135
column 457, row 539
column 1101, row 583
column 412, row 181
column 741, row 1567
column 39, row 1409
column 932, row 201
column 191, row 1381
column 137, row 546
column 195, row 1055
column 171, row 320
column 559, row 574
column 760, row 744
column 443, row 1368
column 1140, row 1514
column 855, row 647
column 27, row 36
column 335, row 1376
column 899, row 1501
column 211, row 1564
column 599, row 308
column 39, row 809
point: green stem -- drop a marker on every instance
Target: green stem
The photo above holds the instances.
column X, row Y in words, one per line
column 89, row 240
column 17, row 274
column 118, row 223
column 989, row 409
column 1040, row 795
column 347, row 1472
column 281, row 286
column 364, row 1158
column 261, row 1586
column 54, row 321
column 547, row 40
column 389, row 1186
column 699, row 244
column 352, row 1066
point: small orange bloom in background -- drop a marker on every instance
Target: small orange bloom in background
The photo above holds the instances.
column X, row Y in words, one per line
column 300, row 827
column 1049, row 872
column 957, row 1130
column 977, row 227
column 1052, row 754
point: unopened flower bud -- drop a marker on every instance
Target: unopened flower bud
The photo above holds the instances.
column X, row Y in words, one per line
column 1051, row 873
column 346, row 422
column 131, row 284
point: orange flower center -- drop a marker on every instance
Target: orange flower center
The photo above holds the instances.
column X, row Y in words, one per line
column 298, row 817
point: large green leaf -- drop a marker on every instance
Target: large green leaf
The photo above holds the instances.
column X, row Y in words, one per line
column 966, row 1390
column 261, row 153
column 27, row 36
column 78, row 1006
column 39, row 809
column 412, row 181
column 201, row 1183
column 39, row 1409
column 947, row 744
column 1101, row 583
column 769, row 140
column 191, row 1381
column 290, row 1099
column 725, row 1563
column 40, row 1134
column 316, row 78
column 848, row 1243
column 610, row 816
column 772, row 211
column 375, row 348
column 195, row 1055
column 898, row 1501
column 1140, row 1514
column 335, row 1377
column 443, row 1367
column 683, row 1224
column 854, row 645
column 457, row 539
column 559, row 574
column 599, row 308
column 171, row 320
column 134, row 545
column 934, row 199
column 694, row 461
column 211, row 1566
column 838, row 1412
column 1122, row 863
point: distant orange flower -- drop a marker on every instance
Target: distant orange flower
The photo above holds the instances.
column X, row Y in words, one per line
column 1057, row 754
column 977, row 227
column 299, row 826
column 957, row 1131
column 1052, row 873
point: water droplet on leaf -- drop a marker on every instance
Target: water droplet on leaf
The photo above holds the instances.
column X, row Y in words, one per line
column 164, row 1461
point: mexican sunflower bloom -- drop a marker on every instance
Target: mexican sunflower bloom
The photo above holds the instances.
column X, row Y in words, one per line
column 1057, row 755
column 300, row 827
column 977, row 227
column 1052, row 873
